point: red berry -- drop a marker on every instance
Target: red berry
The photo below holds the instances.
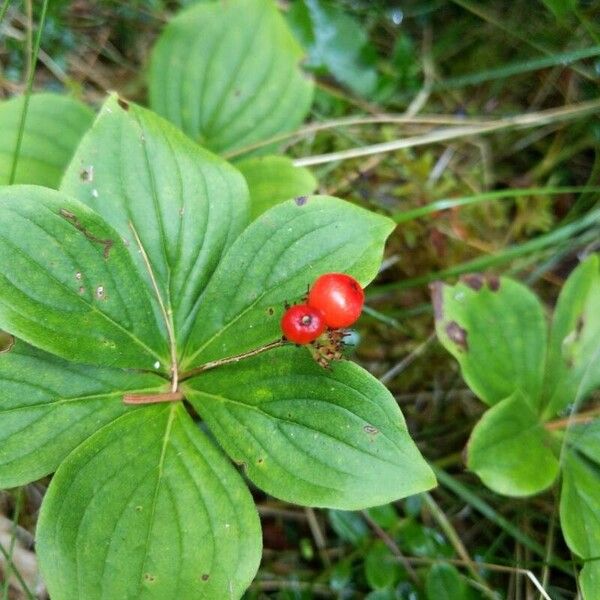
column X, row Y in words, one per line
column 339, row 297
column 302, row 324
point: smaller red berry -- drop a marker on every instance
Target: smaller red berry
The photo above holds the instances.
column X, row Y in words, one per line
column 302, row 324
column 339, row 297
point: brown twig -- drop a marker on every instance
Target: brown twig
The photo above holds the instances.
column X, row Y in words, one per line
column 152, row 398
column 584, row 417
column 213, row 364
column 391, row 544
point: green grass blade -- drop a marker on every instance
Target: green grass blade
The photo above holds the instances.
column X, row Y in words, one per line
column 563, row 234
column 519, row 68
column 447, row 203
column 473, row 500
column 34, row 58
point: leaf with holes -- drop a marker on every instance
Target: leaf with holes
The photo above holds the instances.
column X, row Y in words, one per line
column 496, row 330
column 228, row 74
column 54, row 126
column 181, row 204
column 68, row 283
column 311, row 436
column 273, row 179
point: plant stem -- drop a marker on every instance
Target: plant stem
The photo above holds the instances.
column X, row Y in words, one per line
column 152, row 398
column 13, row 541
column 584, row 417
column 231, row 359
column 34, row 57
column 455, row 540
column 16, row 573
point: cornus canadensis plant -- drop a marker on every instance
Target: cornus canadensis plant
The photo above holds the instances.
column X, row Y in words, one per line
column 140, row 288
column 535, row 380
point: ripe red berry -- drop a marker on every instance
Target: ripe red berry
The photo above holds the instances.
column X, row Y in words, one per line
column 302, row 324
column 339, row 297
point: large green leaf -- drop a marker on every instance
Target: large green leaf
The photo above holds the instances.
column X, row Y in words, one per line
column 49, row 406
column 273, row 179
column 148, row 508
column 228, row 74
column 185, row 204
column 580, row 506
column 274, row 261
column 53, row 128
column 496, row 330
column 309, row 435
column 68, row 284
column 573, row 368
column 510, row 449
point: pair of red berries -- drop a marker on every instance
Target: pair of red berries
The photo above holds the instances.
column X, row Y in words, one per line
column 335, row 301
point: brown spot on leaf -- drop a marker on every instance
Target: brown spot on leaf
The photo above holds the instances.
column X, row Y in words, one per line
column 260, row 461
column 205, row 577
column 493, row 282
column 579, row 327
column 370, row 429
column 457, row 334
column 149, row 577
column 69, row 216
column 437, row 294
column 87, row 174
column 123, row 103
column 100, row 292
column 474, row 281
column 301, row 200
column 270, row 311
column 7, row 342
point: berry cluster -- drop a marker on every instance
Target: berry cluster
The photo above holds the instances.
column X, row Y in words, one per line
column 334, row 301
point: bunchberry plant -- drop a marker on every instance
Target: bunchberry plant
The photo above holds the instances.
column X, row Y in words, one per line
column 535, row 382
column 141, row 290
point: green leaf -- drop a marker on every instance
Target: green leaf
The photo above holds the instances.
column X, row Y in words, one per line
column 349, row 526
column 579, row 514
column 49, row 406
column 573, row 366
column 585, row 437
column 381, row 566
column 228, row 74
column 275, row 260
column 335, row 42
column 68, row 284
column 589, row 580
column 53, row 128
column 148, row 508
column 273, row 179
column 510, row 449
column 185, row 204
column 445, row 583
column 496, row 330
column 311, row 436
